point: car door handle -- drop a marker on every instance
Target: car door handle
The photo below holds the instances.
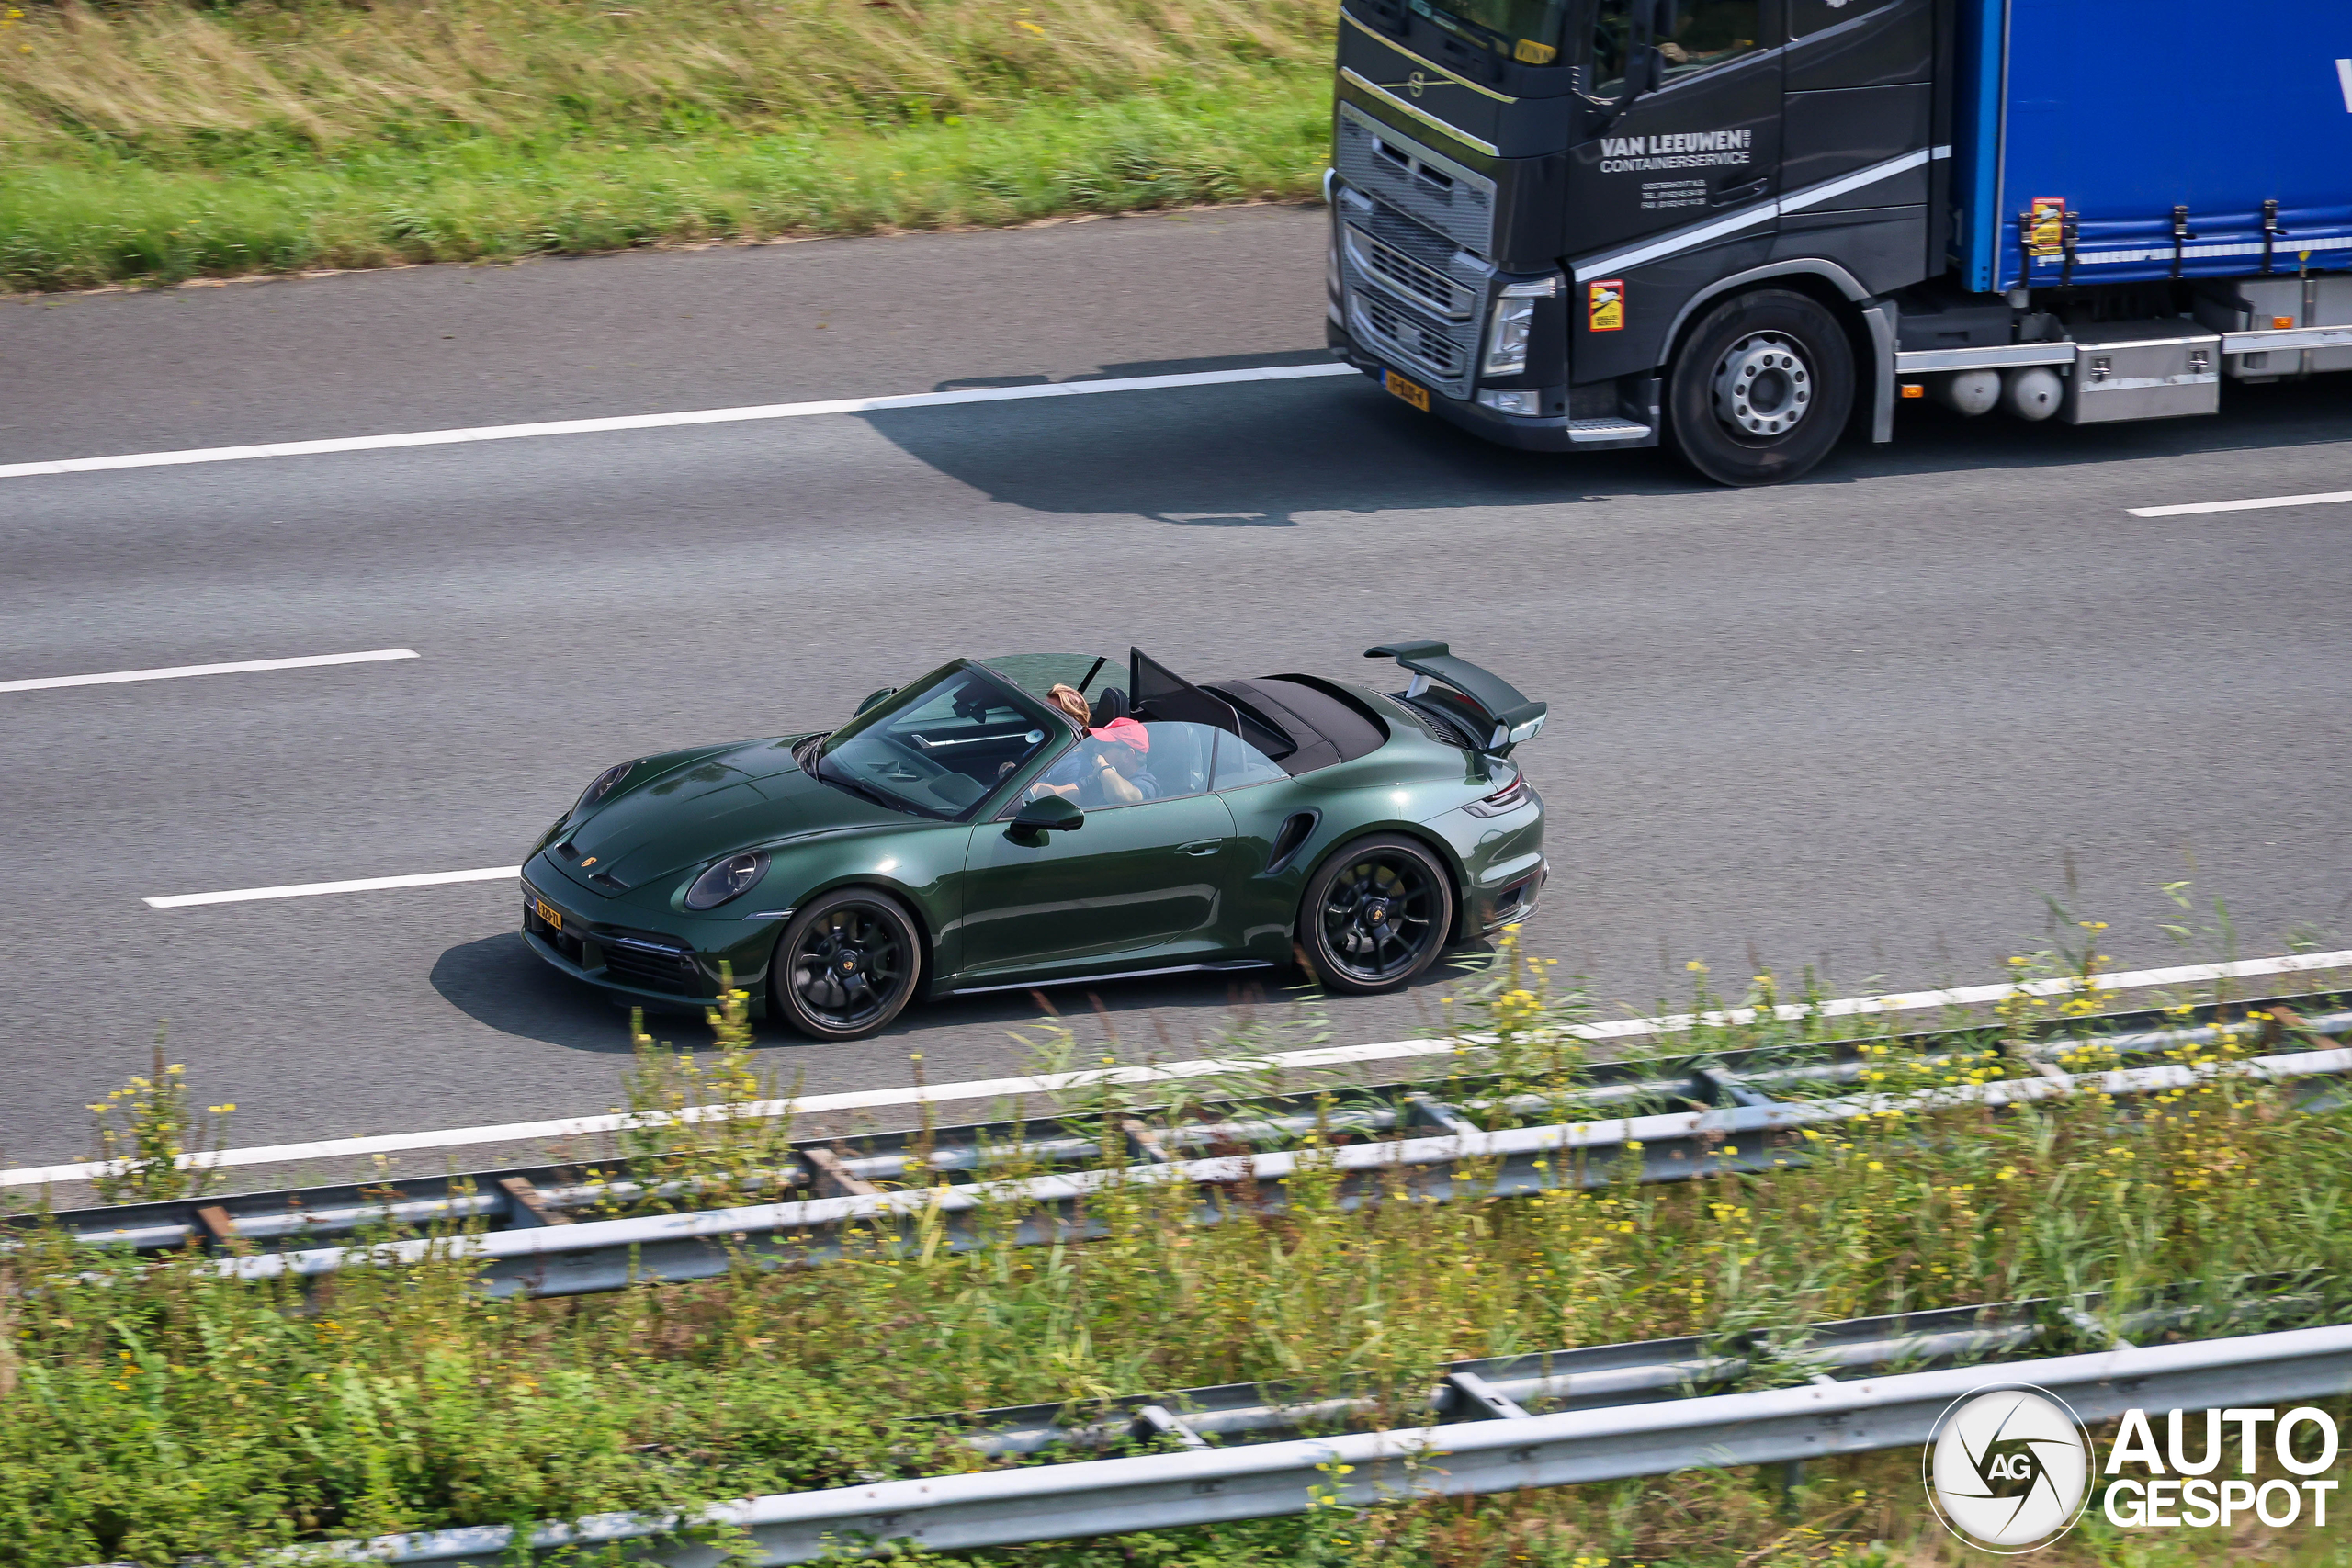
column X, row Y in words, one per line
column 1742, row 192
column 1204, row 847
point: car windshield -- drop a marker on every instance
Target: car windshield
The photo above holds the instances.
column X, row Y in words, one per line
column 1526, row 30
column 940, row 747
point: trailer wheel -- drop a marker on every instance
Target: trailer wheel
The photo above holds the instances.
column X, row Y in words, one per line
column 1760, row 390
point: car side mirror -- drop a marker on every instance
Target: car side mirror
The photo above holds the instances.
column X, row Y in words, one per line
column 1046, row 814
column 883, row 696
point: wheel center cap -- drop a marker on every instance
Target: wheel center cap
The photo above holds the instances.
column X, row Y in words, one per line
column 1378, row 913
column 1763, row 386
column 847, row 964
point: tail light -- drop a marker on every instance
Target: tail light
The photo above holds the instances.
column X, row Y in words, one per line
column 1511, row 797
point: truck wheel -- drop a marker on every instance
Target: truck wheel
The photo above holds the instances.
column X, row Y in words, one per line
column 1760, row 390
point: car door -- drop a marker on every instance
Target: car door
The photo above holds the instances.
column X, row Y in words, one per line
column 1147, row 880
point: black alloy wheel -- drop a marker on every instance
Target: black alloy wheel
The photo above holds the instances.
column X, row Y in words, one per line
column 846, row 965
column 1760, row 390
column 1376, row 914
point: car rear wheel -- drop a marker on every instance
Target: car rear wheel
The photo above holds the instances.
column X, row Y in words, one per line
column 1376, row 914
column 846, row 965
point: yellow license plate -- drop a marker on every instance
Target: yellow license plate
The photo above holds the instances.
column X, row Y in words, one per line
column 1412, row 392
column 548, row 912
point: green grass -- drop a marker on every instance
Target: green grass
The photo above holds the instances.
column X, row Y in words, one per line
column 85, row 222
column 168, row 141
column 149, row 1414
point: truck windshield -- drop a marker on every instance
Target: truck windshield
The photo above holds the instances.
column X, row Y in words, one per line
column 1525, row 30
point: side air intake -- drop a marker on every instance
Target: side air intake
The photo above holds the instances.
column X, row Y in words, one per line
column 1296, row 830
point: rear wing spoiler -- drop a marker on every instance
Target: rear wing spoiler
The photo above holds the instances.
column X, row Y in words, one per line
column 1507, row 715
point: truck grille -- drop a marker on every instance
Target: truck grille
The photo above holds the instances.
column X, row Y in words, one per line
column 1413, row 338
column 1422, row 285
column 1425, row 186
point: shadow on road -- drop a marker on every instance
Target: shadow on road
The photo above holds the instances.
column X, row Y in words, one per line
column 1259, row 454
column 498, row 982
column 1248, row 455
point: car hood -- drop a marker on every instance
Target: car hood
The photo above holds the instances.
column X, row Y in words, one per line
column 706, row 805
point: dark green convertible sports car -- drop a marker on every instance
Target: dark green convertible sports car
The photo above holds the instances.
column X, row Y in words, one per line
column 969, row 834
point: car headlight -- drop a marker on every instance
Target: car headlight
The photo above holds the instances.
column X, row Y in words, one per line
column 603, row 784
column 730, row 878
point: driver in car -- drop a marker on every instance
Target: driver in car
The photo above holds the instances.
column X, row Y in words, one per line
column 1108, row 767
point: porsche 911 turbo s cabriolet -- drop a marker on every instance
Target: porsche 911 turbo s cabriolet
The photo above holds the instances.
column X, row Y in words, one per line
column 985, row 830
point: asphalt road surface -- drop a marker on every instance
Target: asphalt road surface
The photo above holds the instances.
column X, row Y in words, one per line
column 1862, row 722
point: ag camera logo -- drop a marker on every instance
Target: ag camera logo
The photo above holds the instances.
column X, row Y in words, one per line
column 2008, row 1467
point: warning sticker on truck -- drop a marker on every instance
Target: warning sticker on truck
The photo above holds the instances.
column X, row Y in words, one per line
column 1604, row 306
column 2045, row 232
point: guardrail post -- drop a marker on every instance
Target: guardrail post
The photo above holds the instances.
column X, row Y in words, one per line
column 834, row 1180
column 1468, row 1393
column 2093, row 1328
column 1158, row 1421
column 527, row 1206
column 2284, row 1021
column 1725, row 1084
column 1144, row 1143
column 221, row 1229
column 1423, row 1110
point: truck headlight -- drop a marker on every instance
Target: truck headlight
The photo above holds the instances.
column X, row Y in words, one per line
column 1507, row 334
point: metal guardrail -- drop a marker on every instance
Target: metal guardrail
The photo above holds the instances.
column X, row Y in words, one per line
column 612, row 1254
column 1602, row 1377
column 1507, row 1450
column 532, row 1197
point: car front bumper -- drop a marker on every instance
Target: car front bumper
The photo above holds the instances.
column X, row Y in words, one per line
column 637, row 964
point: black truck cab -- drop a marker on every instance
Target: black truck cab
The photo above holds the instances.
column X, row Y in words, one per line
column 1584, row 224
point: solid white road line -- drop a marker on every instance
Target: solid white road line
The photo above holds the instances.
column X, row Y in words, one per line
column 180, row 672
column 2261, row 503
column 311, row 889
column 665, row 421
column 1320, row 1056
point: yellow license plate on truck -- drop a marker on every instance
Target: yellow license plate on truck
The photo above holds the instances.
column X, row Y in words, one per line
column 1412, row 392
column 548, row 912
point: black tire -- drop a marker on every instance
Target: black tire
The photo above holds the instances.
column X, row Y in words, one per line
column 846, row 965
column 1376, row 914
column 1760, row 390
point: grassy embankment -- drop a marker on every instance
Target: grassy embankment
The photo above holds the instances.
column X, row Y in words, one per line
column 167, row 1412
column 173, row 138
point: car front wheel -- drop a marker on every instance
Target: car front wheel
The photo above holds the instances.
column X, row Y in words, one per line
column 846, row 965
column 1376, row 914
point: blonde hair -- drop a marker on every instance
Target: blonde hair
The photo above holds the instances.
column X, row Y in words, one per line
column 1056, row 695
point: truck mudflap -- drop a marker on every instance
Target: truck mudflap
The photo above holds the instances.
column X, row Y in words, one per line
column 1473, row 699
column 1534, row 434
